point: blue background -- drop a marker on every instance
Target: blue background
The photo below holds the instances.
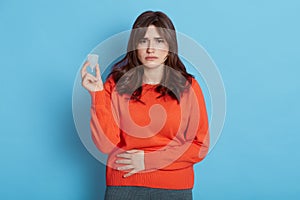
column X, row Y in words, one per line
column 254, row 43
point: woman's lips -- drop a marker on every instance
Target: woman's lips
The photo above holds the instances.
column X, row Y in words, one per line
column 151, row 58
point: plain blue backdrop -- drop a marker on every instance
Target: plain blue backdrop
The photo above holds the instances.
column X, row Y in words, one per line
column 254, row 43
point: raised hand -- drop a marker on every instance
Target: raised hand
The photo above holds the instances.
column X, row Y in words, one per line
column 90, row 82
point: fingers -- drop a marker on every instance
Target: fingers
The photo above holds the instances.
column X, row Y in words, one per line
column 125, row 161
column 130, row 173
column 90, row 82
column 132, row 151
column 131, row 159
column 124, row 155
column 83, row 70
column 126, row 167
column 89, row 78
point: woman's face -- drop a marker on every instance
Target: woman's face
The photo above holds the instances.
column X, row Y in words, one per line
column 152, row 49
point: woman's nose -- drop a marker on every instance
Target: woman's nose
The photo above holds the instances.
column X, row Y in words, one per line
column 150, row 48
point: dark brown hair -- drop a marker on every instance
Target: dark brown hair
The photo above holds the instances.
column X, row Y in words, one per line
column 175, row 78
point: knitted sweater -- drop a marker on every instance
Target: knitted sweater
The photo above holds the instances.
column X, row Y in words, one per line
column 174, row 136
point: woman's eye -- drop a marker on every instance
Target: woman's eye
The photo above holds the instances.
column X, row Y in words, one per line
column 143, row 41
column 160, row 40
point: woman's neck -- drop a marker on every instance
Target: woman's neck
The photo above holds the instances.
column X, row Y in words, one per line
column 154, row 75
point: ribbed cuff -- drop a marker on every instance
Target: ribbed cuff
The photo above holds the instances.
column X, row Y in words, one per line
column 98, row 98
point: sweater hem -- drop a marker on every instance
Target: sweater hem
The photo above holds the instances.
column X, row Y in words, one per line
column 173, row 179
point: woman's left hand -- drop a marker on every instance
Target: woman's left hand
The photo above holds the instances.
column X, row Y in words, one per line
column 131, row 160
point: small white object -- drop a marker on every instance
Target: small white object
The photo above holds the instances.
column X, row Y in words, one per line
column 93, row 60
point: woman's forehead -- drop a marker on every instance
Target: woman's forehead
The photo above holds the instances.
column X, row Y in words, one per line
column 152, row 32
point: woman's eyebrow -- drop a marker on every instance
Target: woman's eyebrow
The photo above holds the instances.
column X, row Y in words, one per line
column 154, row 38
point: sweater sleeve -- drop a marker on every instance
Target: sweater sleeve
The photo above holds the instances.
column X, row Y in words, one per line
column 105, row 118
column 196, row 144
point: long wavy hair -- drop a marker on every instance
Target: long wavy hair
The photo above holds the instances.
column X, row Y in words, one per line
column 128, row 73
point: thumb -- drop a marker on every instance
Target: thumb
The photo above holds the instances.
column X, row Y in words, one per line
column 132, row 151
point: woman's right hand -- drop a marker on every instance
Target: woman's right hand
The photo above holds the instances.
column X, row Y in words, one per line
column 89, row 81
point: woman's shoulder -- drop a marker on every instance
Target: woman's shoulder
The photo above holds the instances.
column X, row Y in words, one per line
column 109, row 83
column 110, row 80
column 195, row 86
column 192, row 82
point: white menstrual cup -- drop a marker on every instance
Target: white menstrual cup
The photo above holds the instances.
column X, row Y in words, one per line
column 93, row 60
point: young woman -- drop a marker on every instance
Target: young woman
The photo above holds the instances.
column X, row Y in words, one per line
column 149, row 116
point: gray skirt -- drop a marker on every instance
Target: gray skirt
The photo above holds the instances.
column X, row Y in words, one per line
column 144, row 193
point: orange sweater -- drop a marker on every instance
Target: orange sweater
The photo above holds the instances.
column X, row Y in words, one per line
column 173, row 136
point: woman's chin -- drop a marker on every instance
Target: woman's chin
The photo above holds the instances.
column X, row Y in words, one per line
column 152, row 65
